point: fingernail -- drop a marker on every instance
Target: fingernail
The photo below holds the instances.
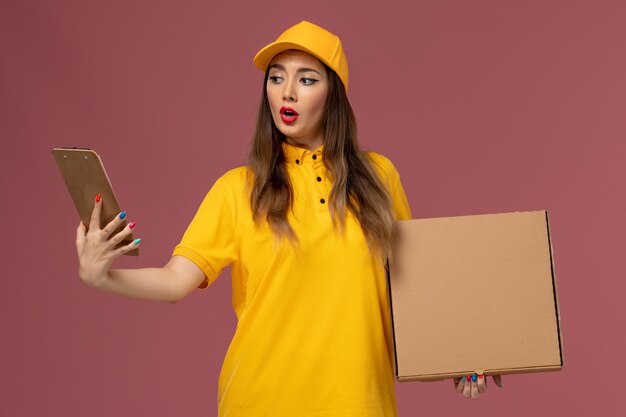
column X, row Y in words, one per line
column 480, row 377
column 98, row 197
column 462, row 379
column 136, row 241
column 122, row 215
column 474, row 378
column 131, row 225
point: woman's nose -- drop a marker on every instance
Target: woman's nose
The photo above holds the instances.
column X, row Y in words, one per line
column 289, row 93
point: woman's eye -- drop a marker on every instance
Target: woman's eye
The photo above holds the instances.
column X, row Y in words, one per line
column 275, row 79
column 308, row 81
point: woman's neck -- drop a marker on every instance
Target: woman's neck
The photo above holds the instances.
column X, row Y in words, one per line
column 310, row 144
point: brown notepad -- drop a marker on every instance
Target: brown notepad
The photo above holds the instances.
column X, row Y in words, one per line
column 85, row 177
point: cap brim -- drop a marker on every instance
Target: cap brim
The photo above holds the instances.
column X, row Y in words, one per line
column 263, row 58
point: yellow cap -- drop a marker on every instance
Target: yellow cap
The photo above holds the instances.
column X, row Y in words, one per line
column 307, row 37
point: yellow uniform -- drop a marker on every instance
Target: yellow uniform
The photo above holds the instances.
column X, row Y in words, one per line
column 313, row 336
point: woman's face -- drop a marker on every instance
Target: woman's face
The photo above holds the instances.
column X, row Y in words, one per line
column 297, row 87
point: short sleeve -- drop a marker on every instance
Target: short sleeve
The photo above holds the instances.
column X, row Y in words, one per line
column 210, row 239
column 391, row 179
column 401, row 207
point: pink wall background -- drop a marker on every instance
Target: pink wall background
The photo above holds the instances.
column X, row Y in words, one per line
column 484, row 107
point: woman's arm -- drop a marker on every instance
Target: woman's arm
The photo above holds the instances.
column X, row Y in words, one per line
column 171, row 283
column 97, row 252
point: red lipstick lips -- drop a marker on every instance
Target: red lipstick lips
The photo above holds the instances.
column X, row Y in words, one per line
column 288, row 115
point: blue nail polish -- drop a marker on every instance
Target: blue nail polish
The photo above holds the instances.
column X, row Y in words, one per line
column 474, row 378
column 122, row 215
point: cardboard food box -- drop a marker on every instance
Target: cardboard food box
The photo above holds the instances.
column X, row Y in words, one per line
column 474, row 293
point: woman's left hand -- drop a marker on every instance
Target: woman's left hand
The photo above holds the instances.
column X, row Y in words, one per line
column 472, row 386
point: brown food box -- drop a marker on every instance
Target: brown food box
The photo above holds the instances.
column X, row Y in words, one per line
column 474, row 294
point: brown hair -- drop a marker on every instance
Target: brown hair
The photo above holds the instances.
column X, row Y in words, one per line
column 356, row 185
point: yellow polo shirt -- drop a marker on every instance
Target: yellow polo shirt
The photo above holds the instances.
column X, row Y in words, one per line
column 313, row 336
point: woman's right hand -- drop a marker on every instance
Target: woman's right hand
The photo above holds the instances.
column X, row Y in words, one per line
column 96, row 247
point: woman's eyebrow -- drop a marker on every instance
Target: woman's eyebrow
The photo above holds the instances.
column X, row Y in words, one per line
column 303, row 69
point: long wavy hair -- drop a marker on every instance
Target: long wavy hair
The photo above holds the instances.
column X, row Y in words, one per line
column 355, row 184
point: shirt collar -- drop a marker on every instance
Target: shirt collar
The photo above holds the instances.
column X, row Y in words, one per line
column 298, row 156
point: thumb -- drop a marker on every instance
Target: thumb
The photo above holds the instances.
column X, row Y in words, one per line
column 80, row 232
column 80, row 235
column 498, row 380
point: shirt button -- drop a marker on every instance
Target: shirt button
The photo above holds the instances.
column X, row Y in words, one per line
column 319, row 179
column 322, row 201
column 314, row 156
column 298, row 161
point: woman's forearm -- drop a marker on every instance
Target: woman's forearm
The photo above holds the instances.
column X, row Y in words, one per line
column 171, row 283
column 157, row 284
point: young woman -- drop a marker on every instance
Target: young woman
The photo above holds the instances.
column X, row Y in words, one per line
column 306, row 226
